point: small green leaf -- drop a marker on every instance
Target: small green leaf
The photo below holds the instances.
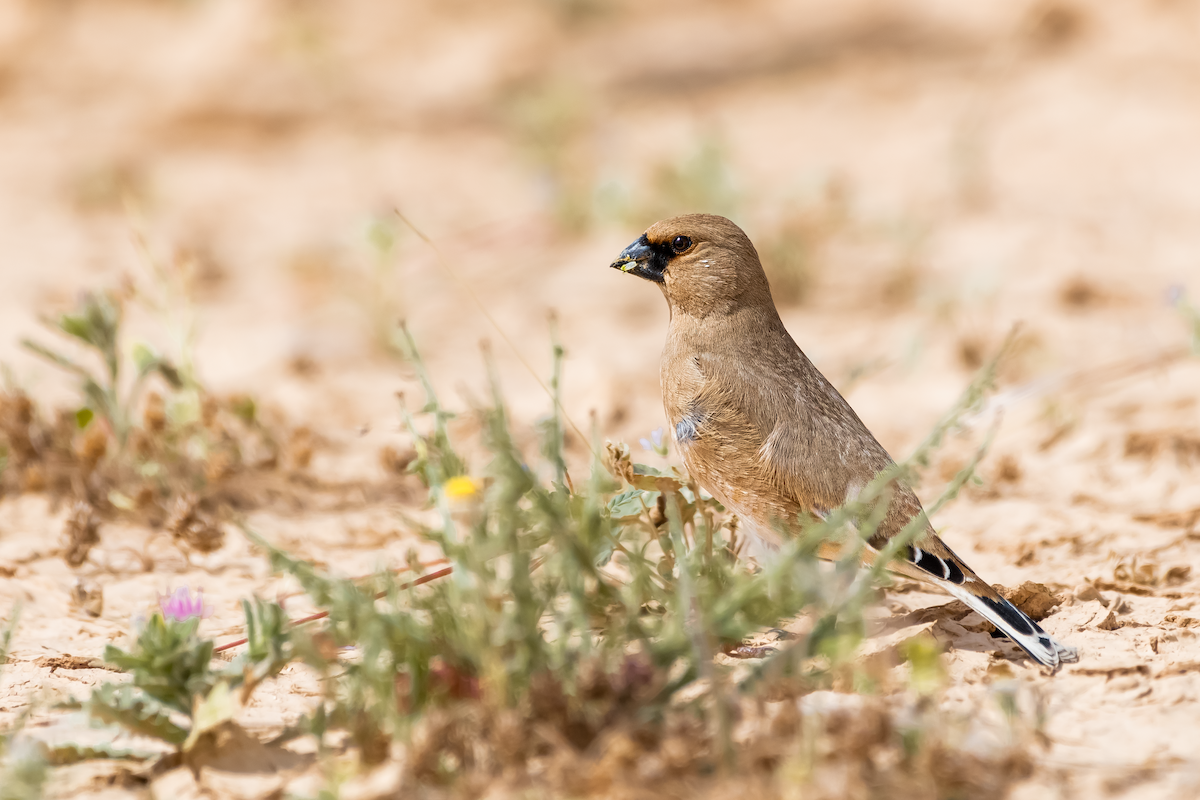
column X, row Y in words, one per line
column 631, row 503
column 79, row 327
column 651, row 479
column 54, row 357
column 924, row 656
column 245, row 408
column 605, row 554
column 219, row 706
column 72, row 753
column 122, row 501
column 84, row 417
column 382, row 236
column 133, row 710
column 184, row 408
column 143, row 358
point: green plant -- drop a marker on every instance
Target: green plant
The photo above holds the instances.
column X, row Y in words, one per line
column 175, row 444
column 569, row 615
column 377, row 292
column 552, row 588
column 557, row 591
column 96, row 323
column 176, row 693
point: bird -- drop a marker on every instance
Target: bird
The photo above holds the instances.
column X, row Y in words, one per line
column 765, row 433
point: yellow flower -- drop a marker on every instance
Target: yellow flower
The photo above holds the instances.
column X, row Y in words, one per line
column 460, row 487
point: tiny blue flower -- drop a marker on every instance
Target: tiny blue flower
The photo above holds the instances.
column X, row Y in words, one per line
column 655, row 442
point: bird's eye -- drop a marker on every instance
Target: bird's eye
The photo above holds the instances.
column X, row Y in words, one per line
column 681, row 243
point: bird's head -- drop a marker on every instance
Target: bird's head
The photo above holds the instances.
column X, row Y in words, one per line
column 703, row 263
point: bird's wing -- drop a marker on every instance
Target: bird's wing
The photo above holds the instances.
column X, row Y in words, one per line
column 805, row 440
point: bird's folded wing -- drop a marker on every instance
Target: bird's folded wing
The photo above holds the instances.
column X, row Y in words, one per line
column 805, row 443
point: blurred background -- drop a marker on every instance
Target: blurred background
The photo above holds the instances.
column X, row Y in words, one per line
column 918, row 175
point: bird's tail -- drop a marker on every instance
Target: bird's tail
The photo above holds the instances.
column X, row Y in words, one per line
column 1014, row 624
column 948, row 572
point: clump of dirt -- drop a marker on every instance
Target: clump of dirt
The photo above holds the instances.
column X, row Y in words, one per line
column 1052, row 25
column 81, row 533
column 1008, row 469
column 1146, row 572
column 88, row 596
column 1035, row 599
column 192, row 528
column 395, row 460
column 972, row 350
column 1080, row 293
column 1184, row 445
column 594, row 744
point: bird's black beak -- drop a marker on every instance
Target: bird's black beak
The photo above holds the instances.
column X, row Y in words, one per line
column 642, row 259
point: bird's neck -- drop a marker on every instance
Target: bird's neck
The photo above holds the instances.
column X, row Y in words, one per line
column 740, row 327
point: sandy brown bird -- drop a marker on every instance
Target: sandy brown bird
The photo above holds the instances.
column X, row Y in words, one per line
column 762, row 430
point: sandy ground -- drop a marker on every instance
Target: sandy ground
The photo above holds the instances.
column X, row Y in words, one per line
column 968, row 166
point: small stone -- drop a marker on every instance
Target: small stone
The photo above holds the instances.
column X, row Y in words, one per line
column 88, row 596
column 178, row 784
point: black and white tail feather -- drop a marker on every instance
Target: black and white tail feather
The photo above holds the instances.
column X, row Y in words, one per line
column 960, row 582
column 951, row 575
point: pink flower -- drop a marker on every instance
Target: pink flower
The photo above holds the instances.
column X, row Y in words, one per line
column 182, row 606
